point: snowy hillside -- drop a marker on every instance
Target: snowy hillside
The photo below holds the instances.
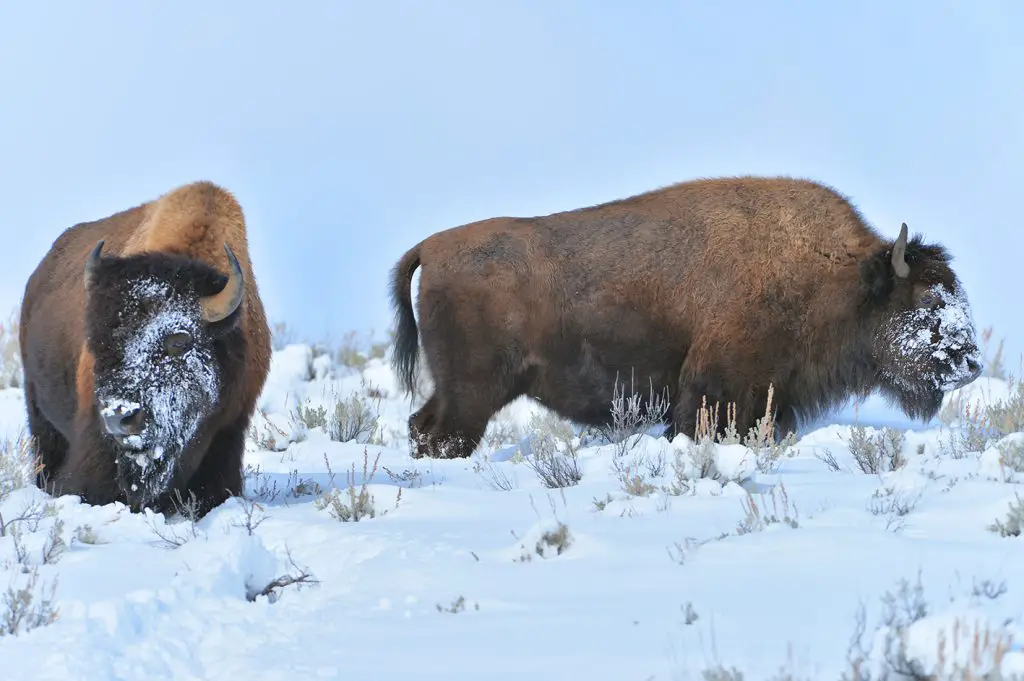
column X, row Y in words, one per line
column 656, row 560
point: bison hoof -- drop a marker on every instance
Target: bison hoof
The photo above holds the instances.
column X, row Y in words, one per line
column 419, row 446
column 423, row 446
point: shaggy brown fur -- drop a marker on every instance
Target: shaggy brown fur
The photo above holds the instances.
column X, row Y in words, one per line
column 712, row 288
column 179, row 240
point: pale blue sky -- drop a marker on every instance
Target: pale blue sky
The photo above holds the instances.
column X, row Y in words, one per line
column 349, row 131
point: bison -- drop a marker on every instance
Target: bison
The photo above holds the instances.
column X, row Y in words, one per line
column 716, row 288
column 145, row 348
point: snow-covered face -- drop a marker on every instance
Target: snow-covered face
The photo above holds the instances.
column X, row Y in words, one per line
column 931, row 347
column 154, row 323
column 160, row 381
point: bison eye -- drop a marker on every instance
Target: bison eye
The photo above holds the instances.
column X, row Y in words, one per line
column 929, row 299
column 177, row 343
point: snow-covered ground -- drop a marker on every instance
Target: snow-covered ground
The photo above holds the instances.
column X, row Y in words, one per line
column 473, row 569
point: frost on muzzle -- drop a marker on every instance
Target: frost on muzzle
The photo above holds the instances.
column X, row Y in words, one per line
column 938, row 344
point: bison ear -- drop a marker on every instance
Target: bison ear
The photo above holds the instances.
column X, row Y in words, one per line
column 877, row 275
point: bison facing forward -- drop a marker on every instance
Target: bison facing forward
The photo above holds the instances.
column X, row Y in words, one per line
column 145, row 347
column 715, row 288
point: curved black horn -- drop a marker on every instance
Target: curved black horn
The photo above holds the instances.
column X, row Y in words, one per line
column 221, row 305
column 92, row 263
column 899, row 250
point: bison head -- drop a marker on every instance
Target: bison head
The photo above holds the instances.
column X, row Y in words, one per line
column 924, row 338
column 155, row 327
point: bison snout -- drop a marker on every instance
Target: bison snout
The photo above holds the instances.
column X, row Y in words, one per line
column 124, row 422
column 975, row 367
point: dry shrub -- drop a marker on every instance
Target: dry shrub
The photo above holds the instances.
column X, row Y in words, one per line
column 965, row 651
column 259, row 486
column 352, row 504
column 632, row 416
column 19, row 463
column 27, row 602
column 901, row 610
column 501, row 431
column 272, row 590
column 355, row 418
column 761, row 438
column 496, row 478
column 1011, row 525
column 27, row 606
column 271, row 437
column 994, row 367
column 893, row 504
column 980, row 424
column 697, row 460
column 1011, row 456
column 10, row 353
column 632, row 419
column 342, row 419
column 1005, row 417
column 551, row 543
column 877, row 452
column 554, row 454
column 758, row 516
column 355, row 354
column 281, row 336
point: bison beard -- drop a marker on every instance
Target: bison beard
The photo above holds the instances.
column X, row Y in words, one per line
column 711, row 289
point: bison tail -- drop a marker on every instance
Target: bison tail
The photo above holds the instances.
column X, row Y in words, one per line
column 405, row 351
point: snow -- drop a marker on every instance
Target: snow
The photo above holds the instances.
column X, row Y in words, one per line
column 455, row 577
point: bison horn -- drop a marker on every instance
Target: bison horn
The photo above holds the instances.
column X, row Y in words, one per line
column 92, row 264
column 221, row 305
column 899, row 249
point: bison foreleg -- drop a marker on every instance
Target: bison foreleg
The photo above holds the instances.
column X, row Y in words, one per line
column 48, row 444
column 700, row 398
column 220, row 473
column 90, row 470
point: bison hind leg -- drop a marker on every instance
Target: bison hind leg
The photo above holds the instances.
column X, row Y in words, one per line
column 421, row 424
column 451, row 424
column 459, row 431
column 448, row 429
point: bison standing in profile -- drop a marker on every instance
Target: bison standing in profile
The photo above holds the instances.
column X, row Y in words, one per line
column 716, row 288
column 145, row 347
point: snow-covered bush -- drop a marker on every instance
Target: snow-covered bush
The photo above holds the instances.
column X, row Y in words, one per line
column 553, row 451
column 877, row 450
column 10, row 353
